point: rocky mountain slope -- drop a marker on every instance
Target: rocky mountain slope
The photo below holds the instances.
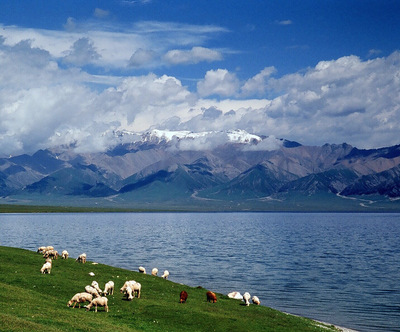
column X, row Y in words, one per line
column 201, row 168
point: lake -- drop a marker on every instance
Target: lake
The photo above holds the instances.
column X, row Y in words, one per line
column 341, row 268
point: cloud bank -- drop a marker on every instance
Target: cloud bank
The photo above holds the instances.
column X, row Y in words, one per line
column 49, row 97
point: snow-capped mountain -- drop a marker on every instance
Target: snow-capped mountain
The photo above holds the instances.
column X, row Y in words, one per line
column 231, row 170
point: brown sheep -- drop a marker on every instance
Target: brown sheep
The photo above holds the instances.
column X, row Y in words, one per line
column 211, row 297
column 183, row 297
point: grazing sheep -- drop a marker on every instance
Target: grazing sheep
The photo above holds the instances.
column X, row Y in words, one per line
column 165, row 275
column 126, row 284
column 129, row 293
column 246, row 298
column 134, row 286
column 256, row 300
column 64, row 254
column 109, row 288
column 142, row 270
column 235, row 295
column 183, row 297
column 42, row 250
column 49, row 260
column 80, row 298
column 91, row 290
column 99, row 301
column 46, row 268
column 154, row 272
column 51, row 254
column 81, row 258
column 95, row 285
column 211, row 297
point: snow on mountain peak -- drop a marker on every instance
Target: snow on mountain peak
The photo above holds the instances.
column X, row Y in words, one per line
column 235, row 136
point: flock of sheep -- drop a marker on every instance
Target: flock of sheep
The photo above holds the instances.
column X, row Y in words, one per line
column 96, row 297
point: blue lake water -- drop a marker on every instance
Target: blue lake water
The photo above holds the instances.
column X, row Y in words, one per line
column 340, row 268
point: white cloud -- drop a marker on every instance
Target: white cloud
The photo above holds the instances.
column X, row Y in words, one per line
column 141, row 58
column 193, row 56
column 82, row 53
column 218, row 82
column 285, row 22
column 44, row 104
column 101, row 13
column 113, row 46
column 258, row 83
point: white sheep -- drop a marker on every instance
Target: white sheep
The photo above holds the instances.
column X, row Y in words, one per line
column 165, row 275
column 51, row 253
column 134, row 286
column 154, row 272
column 80, row 298
column 256, row 300
column 46, row 268
column 235, row 295
column 42, row 250
column 246, row 298
column 91, row 290
column 81, row 258
column 98, row 301
column 129, row 293
column 126, row 284
column 64, row 254
column 109, row 288
column 142, row 270
column 95, row 285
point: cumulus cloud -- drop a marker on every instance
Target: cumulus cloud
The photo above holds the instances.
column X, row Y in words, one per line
column 258, row 83
column 218, row 82
column 193, row 56
column 141, row 58
column 82, row 53
column 43, row 104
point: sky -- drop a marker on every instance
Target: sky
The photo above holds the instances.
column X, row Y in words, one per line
column 75, row 72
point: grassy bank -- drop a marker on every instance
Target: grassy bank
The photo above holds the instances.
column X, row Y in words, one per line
column 32, row 301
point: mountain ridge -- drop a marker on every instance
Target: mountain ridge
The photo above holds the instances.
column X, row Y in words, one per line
column 190, row 169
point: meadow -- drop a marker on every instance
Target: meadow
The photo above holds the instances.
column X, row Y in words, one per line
column 32, row 301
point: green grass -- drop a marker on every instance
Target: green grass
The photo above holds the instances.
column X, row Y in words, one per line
column 31, row 301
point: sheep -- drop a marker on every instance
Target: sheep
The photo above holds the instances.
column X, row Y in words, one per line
column 42, row 250
column 211, row 297
column 165, row 275
column 134, row 286
column 126, row 284
column 129, row 293
column 81, row 258
column 64, row 254
column 137, row 287
column 49, row 260
column 235, row 295
column 46, row 268
column 142, row 270
column 91, row 290
column 246, row 298
column 80, row 298
column 99, row 301
column 183, row 297
column 154, row 272
column 95, row 285
column 109, row 288
column 256, row 300
column 51, row 253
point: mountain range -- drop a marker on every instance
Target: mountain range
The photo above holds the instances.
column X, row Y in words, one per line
column 210, row 171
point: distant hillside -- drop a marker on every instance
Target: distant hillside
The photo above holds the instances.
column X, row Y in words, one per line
column 212, row 171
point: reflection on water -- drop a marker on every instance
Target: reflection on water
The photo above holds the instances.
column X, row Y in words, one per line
column 340, row 268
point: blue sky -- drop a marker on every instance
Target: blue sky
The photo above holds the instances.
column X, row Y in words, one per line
column 312, row 71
